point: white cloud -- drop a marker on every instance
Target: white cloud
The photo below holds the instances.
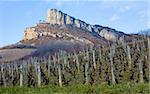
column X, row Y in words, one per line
column 114, row 17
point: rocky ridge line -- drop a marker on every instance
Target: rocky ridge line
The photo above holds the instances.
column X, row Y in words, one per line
column 55, row 17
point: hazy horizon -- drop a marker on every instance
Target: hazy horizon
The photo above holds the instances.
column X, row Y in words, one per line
column 126, row 16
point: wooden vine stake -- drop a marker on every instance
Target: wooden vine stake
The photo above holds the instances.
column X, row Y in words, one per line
column 86, row 67
column 39, row 74
column 112, row 52
column 12, row 74
column 126, row 48
column 140, row 65
column 54, row 60
column 49, row 65
column 77, row 61
column 94, row 60
column 59, row 72
column 21, row 75
column 129, row 56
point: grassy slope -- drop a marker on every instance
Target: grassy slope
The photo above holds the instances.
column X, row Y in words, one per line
column 80, row 89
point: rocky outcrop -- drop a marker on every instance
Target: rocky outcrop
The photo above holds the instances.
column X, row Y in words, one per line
column 30, row 33
column 55, row 17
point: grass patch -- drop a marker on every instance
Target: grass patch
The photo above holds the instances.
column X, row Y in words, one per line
column 80, row 89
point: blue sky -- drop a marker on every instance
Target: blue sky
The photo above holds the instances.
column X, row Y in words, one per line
column 129, row 16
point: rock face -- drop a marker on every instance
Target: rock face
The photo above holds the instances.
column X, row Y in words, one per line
column 55, row 17
column 30, row 33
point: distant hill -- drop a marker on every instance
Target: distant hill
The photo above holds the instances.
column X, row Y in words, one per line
column 62, row 32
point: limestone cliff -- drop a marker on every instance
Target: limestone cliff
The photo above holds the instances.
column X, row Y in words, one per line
column 55, row 17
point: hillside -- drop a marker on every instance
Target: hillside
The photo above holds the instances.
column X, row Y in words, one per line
column 66, row 55
column 61, row 31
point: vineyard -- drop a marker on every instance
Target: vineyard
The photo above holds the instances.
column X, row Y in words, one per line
column 117, row 64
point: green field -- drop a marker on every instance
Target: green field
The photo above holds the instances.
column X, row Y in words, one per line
column 80, row 89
